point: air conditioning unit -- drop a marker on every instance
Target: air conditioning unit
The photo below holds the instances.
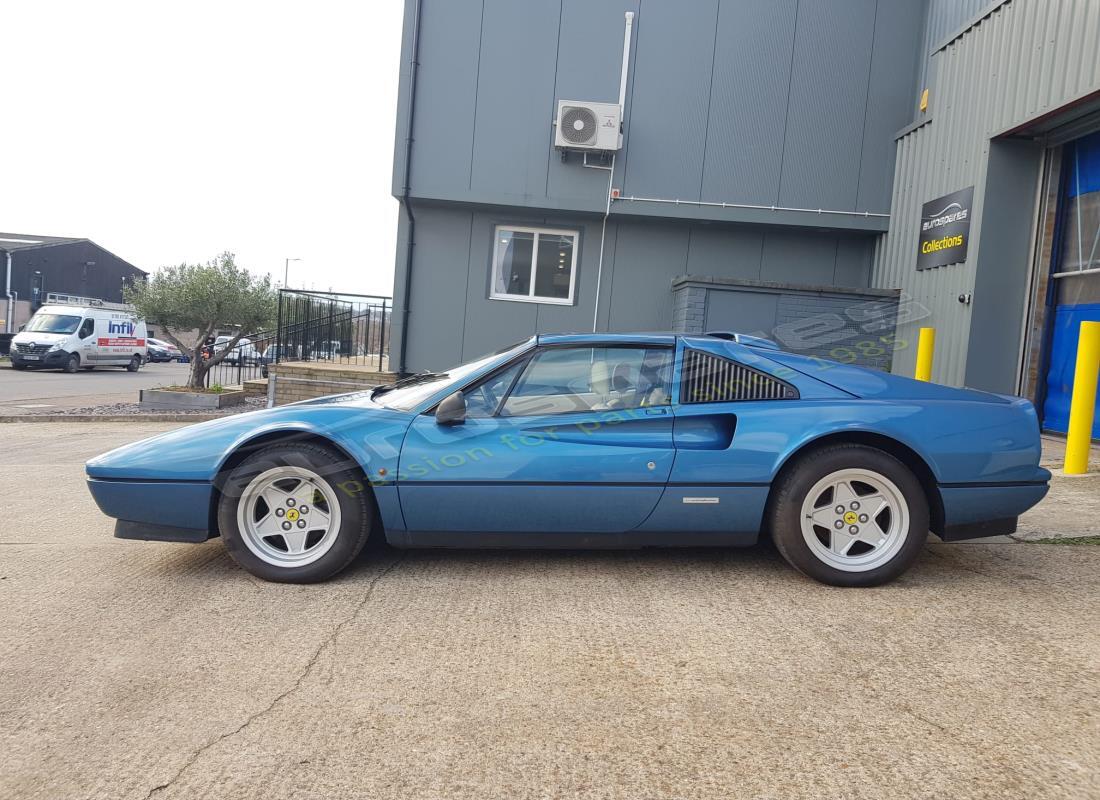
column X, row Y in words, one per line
column 580, row 125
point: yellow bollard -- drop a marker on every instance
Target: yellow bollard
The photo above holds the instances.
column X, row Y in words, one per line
column 926, row 346
column 1083, row 405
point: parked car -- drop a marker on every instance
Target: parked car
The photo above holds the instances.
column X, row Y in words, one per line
column 161, row 351
column 243, row 352
column 71, row 338
column 596, row 440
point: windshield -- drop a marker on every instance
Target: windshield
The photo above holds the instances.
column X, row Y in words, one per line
column 53, row 323
column 415, row 390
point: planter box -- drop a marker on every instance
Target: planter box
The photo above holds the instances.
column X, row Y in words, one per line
column 160, row 398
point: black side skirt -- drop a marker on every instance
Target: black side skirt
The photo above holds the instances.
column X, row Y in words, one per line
column 978, row 530
column 158, row 533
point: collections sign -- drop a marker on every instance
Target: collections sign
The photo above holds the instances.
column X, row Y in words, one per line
column 945, row 229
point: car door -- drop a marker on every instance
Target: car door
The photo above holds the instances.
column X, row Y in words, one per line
column 567, row 440
column 86, row 341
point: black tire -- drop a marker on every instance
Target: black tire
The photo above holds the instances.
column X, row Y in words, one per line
column 73, row 364
column 784, row 514
column 135, row 364
column 356, row 510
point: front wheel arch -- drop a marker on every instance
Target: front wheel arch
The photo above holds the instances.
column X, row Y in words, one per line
column 902, row 452
column 258, row 443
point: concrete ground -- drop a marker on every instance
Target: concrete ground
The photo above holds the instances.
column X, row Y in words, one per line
column 42, row 390
column 135, row 670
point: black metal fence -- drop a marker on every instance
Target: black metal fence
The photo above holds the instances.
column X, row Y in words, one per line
column 245, row 361
column 312, row 326
column 342, row 328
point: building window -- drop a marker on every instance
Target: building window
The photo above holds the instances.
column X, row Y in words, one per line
column 534, row 265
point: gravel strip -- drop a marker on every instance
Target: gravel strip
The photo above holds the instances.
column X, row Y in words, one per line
column 136, row 410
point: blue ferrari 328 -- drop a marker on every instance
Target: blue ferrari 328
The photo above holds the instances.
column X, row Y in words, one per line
column 595, row 440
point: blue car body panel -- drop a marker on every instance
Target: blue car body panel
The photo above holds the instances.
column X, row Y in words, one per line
column 677, row 474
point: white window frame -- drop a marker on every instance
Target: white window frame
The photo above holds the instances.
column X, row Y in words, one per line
column 531, row 297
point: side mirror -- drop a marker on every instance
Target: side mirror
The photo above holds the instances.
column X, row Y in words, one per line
column 451, row 410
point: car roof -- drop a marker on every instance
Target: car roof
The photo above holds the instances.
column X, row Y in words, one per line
column 655, row 338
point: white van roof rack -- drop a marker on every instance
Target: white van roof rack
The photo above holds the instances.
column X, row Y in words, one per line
column 59, row 299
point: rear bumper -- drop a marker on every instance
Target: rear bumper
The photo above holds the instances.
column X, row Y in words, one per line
column 971, row 511
column 166, row 511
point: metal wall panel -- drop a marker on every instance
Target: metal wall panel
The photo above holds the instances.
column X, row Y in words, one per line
column 515, row 100
column 828, row 103
column 446, row 95
column 670, row 99
column 892, row 55
column 1026, row 59
column 748, row 101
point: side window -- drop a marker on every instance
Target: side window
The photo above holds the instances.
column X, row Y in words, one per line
column 561, row 380
column 708, row 378
column 87, row 328
column 484, row 399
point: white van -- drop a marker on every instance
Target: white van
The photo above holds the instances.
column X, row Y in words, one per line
column 85, row 336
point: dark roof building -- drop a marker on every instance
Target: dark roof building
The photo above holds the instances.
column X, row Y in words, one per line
column 32, row 266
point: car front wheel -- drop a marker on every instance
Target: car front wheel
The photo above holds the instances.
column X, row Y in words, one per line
column 849, row 515
column 294, row 513
column 73, row 364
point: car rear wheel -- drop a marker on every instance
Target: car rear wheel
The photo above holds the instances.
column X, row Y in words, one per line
column 134, row 365
column 287, row 514
column 73, row 364
column 849, row 515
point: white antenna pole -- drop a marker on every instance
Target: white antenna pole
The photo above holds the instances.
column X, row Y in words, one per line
column 626, row 61
column 623, row 74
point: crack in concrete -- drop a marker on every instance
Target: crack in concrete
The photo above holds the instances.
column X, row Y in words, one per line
column 294, row 687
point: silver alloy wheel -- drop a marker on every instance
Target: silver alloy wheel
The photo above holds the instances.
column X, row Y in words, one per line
column 289, row 516
column 855, row 520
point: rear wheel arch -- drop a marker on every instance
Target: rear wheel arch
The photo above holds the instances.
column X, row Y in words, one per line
column 902, row 452
column 264, row 440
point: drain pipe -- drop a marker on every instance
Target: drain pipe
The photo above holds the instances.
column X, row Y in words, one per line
column 611, row 173
column 7, row 291
column 410, row 236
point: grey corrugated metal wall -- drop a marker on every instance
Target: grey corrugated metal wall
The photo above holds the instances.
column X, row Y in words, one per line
column 727, row 101
column 944, row 18
column 1026, row 59
column 786, row 102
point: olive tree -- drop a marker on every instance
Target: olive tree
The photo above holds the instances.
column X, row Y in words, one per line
column 198, row 299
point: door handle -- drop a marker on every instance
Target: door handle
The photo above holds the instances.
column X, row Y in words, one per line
column 656, row 411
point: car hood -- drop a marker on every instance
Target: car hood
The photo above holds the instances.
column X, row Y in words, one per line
column 368, row 432
column 26, row 337
column 874, row 384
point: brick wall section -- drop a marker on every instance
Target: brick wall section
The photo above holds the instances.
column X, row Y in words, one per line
column 296, row 381
column 689, row 309
column 847, row 324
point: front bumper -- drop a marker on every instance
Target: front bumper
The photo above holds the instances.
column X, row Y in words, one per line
column 54, row 360
column 166, row 511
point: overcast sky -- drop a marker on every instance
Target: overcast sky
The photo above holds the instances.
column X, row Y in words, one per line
column 170, row 132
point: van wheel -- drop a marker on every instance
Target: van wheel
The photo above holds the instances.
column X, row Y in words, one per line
column 134, row 365
column 73, row 364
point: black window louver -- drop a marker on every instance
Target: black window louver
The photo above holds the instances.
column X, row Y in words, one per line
column 711, row 379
